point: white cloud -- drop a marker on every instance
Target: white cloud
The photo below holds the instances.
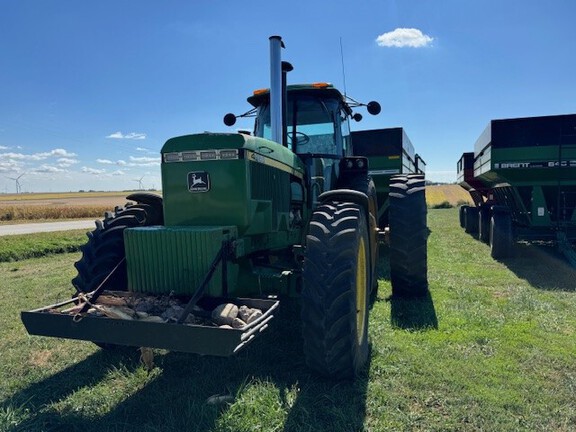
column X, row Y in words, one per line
column 404, row 37
column 20, row 156
column 119, row 162
column 9, row 166
column 66, row 162
column 48, row 169
column 131, row 135
column 118, row 173
column 144, row 159
column 6, row 148
column 61, row 152
column 93, row 171
column 146, row 150
column 37, row 156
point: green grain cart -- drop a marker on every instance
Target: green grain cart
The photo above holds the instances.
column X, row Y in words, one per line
column 522, row 180
column 390, row 152
column 246, row 219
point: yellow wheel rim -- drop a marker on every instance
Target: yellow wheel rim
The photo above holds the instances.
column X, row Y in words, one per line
column 361, row 291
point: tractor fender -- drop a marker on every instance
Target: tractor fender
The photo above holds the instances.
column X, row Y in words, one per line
column 348, row 195
column 146, row 198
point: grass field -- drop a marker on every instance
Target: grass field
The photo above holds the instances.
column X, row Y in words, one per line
column 24, row 246
column 492, row 349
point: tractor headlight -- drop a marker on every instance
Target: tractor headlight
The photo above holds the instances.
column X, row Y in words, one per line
column 208, row 155
column 172, row 157
column 189, row 156
column 229, row 154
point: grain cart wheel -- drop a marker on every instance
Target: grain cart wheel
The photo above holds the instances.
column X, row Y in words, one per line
column 484, row 224
column 105, row 246
column 471, row 220
column 336, row 282
column 461, row 215
column 408, row 236
column 501, row 237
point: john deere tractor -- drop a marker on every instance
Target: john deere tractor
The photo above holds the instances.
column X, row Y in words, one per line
column 246, row 219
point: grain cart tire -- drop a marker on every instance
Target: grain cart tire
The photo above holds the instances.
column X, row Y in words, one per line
column 471, row 220
column 408, row 236
column 336, row 284
column 501, row 237
column 105, row 246
column 461, row 215
column 484, row 224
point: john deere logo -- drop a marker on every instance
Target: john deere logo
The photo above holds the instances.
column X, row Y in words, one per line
column 198, row 181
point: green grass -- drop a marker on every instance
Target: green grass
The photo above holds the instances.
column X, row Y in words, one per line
column 24, row 246
column 492, row 349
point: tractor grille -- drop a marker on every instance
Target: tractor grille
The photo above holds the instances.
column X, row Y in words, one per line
column 161, row 260
column 271, row 184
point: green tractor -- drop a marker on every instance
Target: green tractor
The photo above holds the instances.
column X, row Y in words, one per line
column 246, row 219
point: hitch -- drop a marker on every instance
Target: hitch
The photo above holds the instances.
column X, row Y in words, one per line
column 222, row 255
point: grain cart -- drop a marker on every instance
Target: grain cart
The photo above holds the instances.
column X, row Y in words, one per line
column 522, row 180
column 390, row 152
column 246, row 219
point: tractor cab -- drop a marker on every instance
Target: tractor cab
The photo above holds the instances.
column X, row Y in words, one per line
column 316, row 128
column 316, row 120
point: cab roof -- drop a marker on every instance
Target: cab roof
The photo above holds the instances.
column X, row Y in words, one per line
column 324, row 90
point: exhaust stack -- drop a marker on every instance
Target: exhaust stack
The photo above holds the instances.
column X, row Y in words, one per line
column 276, row 96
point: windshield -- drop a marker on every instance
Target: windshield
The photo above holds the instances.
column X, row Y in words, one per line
column 311, row 125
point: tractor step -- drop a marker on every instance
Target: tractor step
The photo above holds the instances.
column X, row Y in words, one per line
column 59, row 320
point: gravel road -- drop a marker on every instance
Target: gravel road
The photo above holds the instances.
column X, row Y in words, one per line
column 45, row 227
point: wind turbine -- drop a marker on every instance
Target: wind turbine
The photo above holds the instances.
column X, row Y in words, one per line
column 17, row 180
column 140, row 185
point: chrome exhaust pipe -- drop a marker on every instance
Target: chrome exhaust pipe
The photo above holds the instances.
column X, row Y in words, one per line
column 276, row 96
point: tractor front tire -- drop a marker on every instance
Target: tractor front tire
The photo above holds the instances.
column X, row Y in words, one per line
column 336, row 286
column 408, row 236
column 105, row 247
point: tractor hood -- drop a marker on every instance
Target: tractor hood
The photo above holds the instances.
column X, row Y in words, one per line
column 236, row 180
column 214, row 146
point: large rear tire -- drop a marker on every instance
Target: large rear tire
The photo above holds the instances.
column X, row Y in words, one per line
column 484, row 224
column 461, row 215
column 336, row 285
column 501, row 236
column 105, row 246
column 408, row 236
column 471, row 220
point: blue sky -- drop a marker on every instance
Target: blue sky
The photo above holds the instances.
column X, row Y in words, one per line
column 90, row 91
